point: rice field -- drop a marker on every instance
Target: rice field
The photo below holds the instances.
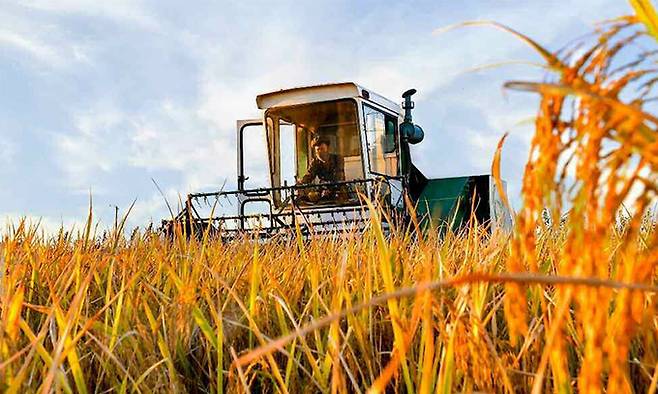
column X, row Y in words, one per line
column 564, row 303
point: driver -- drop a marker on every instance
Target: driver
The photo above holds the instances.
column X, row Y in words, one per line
column 325, row 167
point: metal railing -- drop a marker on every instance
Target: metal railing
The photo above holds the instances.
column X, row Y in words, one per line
column 342, row 210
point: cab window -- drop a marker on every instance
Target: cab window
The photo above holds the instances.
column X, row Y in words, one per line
column 381, row 137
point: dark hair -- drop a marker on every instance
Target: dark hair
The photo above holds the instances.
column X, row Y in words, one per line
column 321, row 140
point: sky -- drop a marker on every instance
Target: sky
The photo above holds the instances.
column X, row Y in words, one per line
column 102, row 98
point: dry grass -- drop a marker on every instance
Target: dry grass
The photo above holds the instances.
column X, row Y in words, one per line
column 560, row 305
column 146, row 314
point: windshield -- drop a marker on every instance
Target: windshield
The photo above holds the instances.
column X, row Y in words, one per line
column 304, row 138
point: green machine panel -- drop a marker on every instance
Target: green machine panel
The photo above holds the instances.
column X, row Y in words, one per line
column 454, row 201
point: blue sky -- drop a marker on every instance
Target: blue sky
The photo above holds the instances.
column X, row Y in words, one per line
column 104, row 96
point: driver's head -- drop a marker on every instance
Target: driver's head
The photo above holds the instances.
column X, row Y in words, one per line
column 321, row 148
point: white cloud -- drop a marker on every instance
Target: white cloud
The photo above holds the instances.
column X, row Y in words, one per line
column 88, row 149
column 41, row 39
column 125, row 11
column 177, row 138
column 34, row 27
column 46, row 224
column 167, row 137
column 33, row 46
column 483, row 145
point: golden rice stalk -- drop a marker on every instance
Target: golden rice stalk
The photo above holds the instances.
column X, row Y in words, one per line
column 646, row 13
column 595, row 148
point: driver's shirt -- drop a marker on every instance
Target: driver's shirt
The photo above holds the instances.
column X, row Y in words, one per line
column 326, row 171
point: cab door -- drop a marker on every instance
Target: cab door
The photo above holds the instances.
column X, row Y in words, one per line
column 254, row 199
column 380, row 131
column 253, row 166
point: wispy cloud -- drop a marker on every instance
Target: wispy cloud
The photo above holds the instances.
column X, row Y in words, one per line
column 122, row 11
column 33, row 46
column 94, row 145
column 49, row 224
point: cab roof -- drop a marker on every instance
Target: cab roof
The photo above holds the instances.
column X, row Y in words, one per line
column 326, row 92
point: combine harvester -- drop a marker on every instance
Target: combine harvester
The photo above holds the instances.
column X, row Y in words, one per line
column 328, row 147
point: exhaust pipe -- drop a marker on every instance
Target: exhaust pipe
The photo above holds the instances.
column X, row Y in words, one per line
column 410, row 132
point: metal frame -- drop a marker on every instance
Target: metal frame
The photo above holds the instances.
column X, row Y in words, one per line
column 310, row 219
column 241, row 125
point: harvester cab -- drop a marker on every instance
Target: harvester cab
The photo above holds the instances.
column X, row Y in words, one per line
column 326, row 148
